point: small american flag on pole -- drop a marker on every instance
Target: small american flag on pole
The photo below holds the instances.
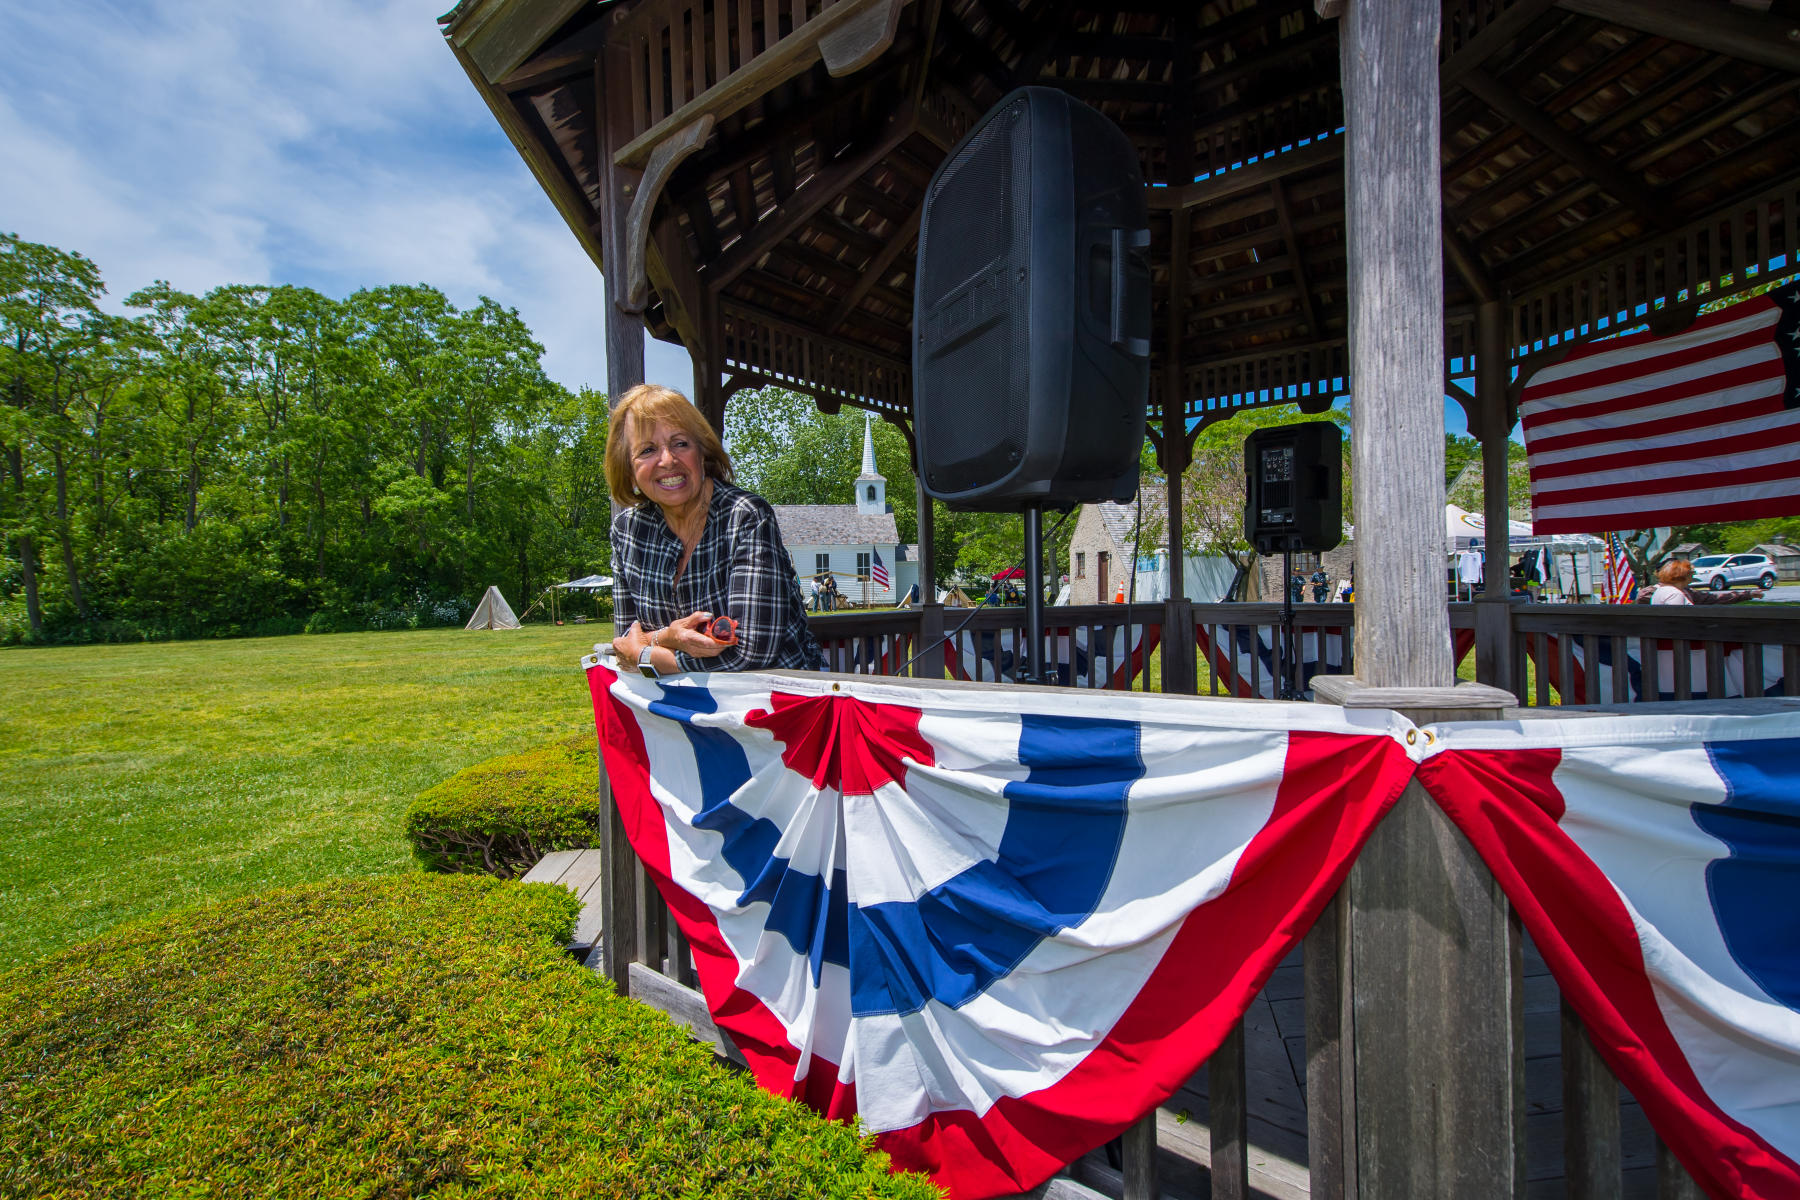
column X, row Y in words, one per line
column 878, row 572
column 1620, row 582
column 1643, row 431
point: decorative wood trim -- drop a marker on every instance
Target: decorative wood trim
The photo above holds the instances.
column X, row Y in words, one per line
column 663, row 161
column 861, row 39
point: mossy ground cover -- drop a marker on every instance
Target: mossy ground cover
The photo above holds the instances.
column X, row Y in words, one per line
column 394, row 1037
column 139, row 778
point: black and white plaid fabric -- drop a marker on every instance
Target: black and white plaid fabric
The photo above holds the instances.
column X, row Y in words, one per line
column 739, row 568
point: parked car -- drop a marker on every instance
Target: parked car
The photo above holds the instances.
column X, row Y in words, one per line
column 1720, row 571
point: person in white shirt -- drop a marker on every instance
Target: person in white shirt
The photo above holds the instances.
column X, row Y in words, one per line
column 1672, row 580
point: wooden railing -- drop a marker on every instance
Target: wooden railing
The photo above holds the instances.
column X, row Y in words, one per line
column 1561, row 654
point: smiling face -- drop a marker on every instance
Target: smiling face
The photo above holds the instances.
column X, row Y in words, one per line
column 666, row 464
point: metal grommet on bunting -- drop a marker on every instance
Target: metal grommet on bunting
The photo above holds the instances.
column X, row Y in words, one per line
column 1430, row 738
column 1412, row 737
column 837, row 687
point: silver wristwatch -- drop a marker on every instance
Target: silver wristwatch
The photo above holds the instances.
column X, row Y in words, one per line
column 646, row 668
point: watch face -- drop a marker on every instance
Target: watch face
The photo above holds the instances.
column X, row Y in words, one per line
column 645, row 666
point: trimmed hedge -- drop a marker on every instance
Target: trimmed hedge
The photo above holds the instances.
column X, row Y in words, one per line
column 499, row 817
column 384, row 1038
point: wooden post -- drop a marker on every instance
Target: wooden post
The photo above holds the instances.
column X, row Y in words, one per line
column 1430, row 1048
column 708, row 360
column 1393, row 216
column 927, row 543
column 1493, row 611
column 624, row 370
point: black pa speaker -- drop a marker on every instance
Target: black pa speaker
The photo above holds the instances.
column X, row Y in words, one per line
column 1031, row 311
column 1294, row 487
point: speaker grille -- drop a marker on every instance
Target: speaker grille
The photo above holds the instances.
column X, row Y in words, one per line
column 972, row 206
column 977, row 334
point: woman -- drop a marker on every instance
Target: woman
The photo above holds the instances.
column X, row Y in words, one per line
column 1672, row 580
column 690, row 547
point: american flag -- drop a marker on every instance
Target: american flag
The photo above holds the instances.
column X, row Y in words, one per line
column 1699, row 426
column 1620, row 582
column 878, row 573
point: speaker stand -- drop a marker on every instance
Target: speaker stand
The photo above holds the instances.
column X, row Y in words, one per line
column 1031, row 669
column 1284, row 638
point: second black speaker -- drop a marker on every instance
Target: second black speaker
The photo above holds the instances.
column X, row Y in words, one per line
column 1031, row 311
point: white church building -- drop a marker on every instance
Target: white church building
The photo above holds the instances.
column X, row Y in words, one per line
column 857, row 544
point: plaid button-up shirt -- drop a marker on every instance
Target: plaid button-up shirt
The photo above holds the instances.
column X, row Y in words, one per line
column 739, row 567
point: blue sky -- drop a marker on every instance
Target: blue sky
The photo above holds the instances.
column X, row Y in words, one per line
column 330, row 143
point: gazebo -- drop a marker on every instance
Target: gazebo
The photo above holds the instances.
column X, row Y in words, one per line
column 1348, row 197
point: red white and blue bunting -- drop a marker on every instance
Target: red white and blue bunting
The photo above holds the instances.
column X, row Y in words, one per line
column 1001, row 924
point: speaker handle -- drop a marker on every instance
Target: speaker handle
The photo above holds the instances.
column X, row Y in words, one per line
column 1123, row 240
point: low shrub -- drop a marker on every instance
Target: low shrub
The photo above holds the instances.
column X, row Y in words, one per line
column 499, row 817
column 381, row 1038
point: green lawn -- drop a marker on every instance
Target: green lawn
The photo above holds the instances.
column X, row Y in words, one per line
column 136, row 779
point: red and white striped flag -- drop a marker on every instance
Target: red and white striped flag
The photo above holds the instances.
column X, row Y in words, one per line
column 1620, row 582
column 1641, row 431
column 878, row 573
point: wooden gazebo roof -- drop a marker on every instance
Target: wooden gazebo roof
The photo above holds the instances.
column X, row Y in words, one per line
column 1597, row 155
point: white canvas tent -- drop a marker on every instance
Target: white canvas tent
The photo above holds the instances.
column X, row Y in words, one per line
column 587, row 583
column 1464, row 528
column 493, row 612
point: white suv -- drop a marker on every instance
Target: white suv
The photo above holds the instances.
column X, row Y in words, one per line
column 1720, row 571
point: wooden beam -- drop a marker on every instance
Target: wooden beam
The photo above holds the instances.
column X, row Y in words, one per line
column 498, row 43
column 1626, row 189
column 1297, row 254
column 574, row 208
column 1484, row 45
column 899, row 242
column 824, row 187
column 1466, row 262
column 1728, row 30
column 1250, row 178
column 786, row 58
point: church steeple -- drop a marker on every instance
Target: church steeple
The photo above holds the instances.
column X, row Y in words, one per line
column 871, row 488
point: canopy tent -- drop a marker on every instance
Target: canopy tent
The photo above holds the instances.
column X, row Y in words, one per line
column 493, row 612
column 587, row 583
column 1464, row 528
column 1012, row 573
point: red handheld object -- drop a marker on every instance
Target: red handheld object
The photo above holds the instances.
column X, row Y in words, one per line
column 723, row 630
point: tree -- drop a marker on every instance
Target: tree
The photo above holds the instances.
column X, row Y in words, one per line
column 54, row 337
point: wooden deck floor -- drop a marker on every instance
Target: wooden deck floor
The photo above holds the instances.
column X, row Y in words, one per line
column 1275, row 1069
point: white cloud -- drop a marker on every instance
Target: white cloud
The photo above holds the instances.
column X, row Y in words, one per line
column 331, row 143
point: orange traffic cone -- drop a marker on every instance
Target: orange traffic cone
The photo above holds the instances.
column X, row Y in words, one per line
column 1119, row 596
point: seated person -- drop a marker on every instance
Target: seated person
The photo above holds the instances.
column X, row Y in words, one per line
column 689, row 546
column 1671, row 587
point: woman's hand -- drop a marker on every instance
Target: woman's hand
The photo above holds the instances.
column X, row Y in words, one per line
column 631, row 643
column 689, row 636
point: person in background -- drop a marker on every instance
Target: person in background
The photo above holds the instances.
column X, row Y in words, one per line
column 1671, row 587
column 1297, row 587
column 689, row 546
column 1321, row 583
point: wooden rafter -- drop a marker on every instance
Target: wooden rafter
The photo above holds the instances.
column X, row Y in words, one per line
column 1770, row 41
column 878, row 269
column 795, row 210
column 1652, row 206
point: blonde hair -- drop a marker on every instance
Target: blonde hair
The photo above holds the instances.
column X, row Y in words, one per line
column 1676, row 572
column 654, row 404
